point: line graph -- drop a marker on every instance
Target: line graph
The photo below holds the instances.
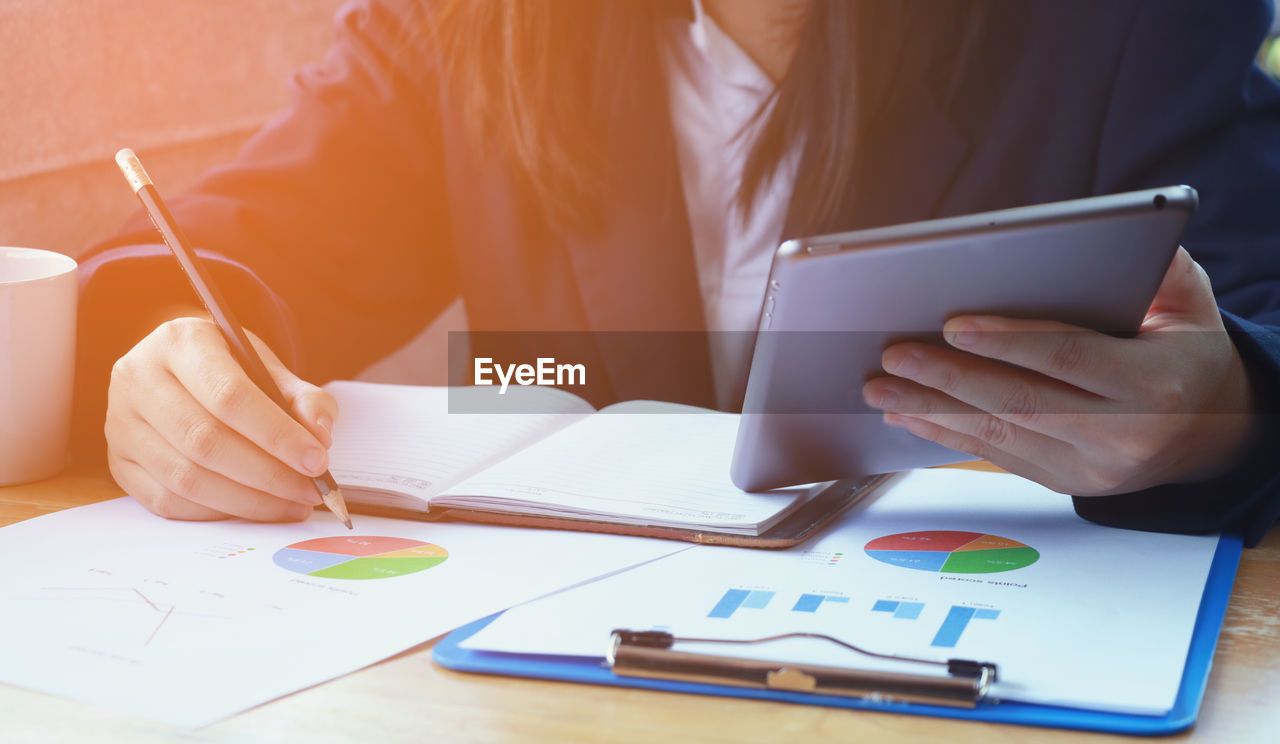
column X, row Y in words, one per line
column 128, row 606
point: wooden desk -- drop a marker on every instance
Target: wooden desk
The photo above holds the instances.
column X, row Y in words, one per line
column 409, row 699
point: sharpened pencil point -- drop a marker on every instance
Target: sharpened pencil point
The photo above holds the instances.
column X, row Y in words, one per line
column 338, row 506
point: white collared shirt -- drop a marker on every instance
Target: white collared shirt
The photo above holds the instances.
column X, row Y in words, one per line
column 714, row 90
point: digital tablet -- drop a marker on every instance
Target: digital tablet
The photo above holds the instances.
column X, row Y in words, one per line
column 835, row 302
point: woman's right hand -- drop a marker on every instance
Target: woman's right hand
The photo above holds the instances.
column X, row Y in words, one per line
column 191, row 437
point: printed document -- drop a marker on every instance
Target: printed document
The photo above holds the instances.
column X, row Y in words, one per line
column 941, row 564
column 190, row 622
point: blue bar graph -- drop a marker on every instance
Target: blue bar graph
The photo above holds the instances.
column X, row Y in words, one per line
column 811, row 602
column 735, row 598
column 900, row 610
column 957, row 620
column 908, row 610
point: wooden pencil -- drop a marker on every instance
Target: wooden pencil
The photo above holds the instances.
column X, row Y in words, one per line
column 231, row 329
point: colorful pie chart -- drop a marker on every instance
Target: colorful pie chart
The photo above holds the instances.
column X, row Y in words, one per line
column 949, row 551
column 362, row 557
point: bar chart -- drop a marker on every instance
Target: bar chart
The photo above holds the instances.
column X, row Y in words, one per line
column 900, row 610
column 957, row 620
column 811, row 602
column 735, row 599
column 953, row 625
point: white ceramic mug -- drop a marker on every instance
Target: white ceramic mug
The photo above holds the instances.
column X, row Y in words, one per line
column 37, row 362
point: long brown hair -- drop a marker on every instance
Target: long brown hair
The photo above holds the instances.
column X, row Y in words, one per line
column 544, row 78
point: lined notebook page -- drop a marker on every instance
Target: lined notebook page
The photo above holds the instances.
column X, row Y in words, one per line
column 667, row 468
column 398, row 444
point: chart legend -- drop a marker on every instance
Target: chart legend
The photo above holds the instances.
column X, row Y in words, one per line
column 820, row 557
column 366, row 557
column 949, row 551
column 223, row 551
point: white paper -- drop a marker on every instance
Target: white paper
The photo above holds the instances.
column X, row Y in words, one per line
column 1101, row 619
column 189, row 622
column 403, row 439
column 641, row 461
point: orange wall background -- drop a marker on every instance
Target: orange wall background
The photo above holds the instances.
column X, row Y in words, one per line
column 183, row 83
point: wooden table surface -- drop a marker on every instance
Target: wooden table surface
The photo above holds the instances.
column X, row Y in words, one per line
column 409, row 699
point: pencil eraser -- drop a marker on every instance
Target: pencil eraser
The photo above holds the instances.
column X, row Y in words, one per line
column 132, row 169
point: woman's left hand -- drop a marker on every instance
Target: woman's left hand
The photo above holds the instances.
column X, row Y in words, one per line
column 1078, row 411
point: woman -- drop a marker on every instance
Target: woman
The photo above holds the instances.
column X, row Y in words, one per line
column 572, row 165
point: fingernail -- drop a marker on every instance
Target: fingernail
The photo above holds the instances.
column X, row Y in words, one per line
column 893, row 419
column 326, row 425
column 299, row 512
column 965, row 335
column 313, row 461
column 908, row 366
column 885, row 399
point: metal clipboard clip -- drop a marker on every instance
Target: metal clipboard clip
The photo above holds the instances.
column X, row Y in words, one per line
column 650, row 654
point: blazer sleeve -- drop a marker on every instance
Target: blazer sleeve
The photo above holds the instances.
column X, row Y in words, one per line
column 329, row 234
column 1190, row 106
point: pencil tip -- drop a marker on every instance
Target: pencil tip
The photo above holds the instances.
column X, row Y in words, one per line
column 338, row 506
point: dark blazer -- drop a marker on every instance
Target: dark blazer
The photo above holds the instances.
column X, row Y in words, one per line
column 365, row 212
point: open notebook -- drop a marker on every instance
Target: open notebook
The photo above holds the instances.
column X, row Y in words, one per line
column 639, row 467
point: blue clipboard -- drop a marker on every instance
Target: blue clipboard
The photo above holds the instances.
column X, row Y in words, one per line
column 1204, row 638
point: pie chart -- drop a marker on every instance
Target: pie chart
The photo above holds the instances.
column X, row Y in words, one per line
column 949, row 551
column 359, row 557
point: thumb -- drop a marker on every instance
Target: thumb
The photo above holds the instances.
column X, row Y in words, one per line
column 313, row 406
column 1185, row 296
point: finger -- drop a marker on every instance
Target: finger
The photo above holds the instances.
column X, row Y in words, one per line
column 1185, row 295
column 221, row 387
column 185, row 479
column 145, row 490
column 1082, row 358
column 172, row 412
column 995, row 432
column 935, row 432
column 314, row 406
column 1012, row 394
